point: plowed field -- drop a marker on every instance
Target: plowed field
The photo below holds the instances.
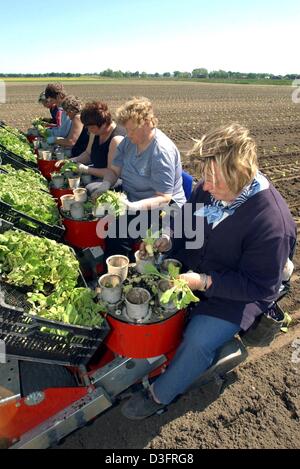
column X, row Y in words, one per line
column 262, row 409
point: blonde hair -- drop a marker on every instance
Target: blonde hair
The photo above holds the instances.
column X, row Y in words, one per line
column 234, row 152
column 138, row 109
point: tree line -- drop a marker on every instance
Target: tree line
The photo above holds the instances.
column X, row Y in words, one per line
column 200, row 73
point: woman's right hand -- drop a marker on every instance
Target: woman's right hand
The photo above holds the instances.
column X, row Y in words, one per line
column 163, row 244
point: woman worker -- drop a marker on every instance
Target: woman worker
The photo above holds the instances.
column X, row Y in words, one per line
column 55, row 95
column 105, row 136
column 248, row 236
column 54, row 110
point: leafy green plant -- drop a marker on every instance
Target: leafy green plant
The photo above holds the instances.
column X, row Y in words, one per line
column 32, row 178
column 112, row 202
column 16, row 132
column 22, row 190
column 43, row 132
column 16, row 144
column 147, row 281
column 27, row 260
column 149, row 241
column 69, row 166
column 76, row 306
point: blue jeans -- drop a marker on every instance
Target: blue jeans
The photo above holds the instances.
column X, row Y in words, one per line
column 202, row 337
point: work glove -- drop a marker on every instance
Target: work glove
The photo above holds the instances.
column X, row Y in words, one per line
column 132, row 206
column 162, row 244
column 60, row 163
column 83, row 169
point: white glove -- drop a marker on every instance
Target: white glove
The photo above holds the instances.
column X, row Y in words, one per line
column 133, row 206
column 83, row 169
column 60, row 163
column 162, row 244
column 196, row 281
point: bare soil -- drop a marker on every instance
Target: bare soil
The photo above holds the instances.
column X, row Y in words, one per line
column 261, row 409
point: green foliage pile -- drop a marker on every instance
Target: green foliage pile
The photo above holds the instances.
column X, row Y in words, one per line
column 50, row 272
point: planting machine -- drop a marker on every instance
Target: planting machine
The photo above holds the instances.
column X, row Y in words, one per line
column 42, row 401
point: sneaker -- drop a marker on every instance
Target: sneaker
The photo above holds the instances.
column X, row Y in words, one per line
column 140, row 406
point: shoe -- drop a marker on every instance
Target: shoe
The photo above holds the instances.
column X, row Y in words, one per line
column 140, row 406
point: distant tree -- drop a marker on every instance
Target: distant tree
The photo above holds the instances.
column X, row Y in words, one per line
column 107, row 73
column 218, row 74
column 178, row 74
column 118, row 74
column 167, row 74
column 292, row 76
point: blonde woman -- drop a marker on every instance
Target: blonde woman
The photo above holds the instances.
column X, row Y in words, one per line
column 104, row 137
column 148, row 163
column 249, row 234
column 77, row 138
column 55, row 95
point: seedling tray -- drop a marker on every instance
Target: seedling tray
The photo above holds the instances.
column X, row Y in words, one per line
column 33, row 338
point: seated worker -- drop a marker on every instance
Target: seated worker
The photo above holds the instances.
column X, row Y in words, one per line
column 105, row 136
column 78, row 137
column 56, row 112
column 55, row 95
column 148, row 163
column 249, row 234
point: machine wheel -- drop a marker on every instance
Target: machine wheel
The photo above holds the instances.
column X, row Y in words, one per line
column 36, row 377
column 229, row 379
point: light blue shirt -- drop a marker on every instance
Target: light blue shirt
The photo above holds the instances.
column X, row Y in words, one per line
column 62, row 131
column 156, row 169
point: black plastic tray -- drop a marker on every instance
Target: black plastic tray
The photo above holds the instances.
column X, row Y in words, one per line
column 24, row 335
column 29, row 164
column 29, row 224
column 11, row 131
column 7, row 158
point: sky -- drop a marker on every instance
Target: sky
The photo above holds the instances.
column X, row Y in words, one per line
column 149, row 35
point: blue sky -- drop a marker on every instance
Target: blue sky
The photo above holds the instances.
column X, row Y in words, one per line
column 150, row 36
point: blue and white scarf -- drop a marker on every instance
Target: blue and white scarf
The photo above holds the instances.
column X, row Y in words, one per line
column 218, row 210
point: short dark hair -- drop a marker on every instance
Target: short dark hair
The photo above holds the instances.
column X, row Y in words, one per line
column 96, row 113
column 55, row 90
